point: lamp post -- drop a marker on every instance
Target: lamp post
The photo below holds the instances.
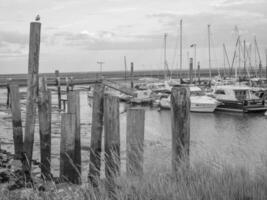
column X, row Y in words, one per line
column 100, row 64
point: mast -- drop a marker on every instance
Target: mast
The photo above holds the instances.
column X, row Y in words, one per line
column 266, row 63
column 244, row 57
column 181, row 47
column 165, row 60
column 260, row 65
column 209, row 52
column 125, row 67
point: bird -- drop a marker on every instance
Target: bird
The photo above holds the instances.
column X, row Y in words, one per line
column 37, row 18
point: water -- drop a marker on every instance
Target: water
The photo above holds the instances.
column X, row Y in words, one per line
column 216, row 138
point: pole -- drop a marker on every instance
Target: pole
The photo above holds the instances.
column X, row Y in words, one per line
column 44, row 111
column 74, row 108
column 266, row 63
column 32, row 89
column 132, row 71
column 198, row 69
column 16, row 119
column 181, row 47
column 96, row 135
column 125, row 68
column 180, row 121
column 209, row 52
column 244, row 57
column 191, row 71
column 135, row 141
column 165, row 61
column 112, row 140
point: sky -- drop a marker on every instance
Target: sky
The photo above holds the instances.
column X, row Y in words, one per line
column 76, row 34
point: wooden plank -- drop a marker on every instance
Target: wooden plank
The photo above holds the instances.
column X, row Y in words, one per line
column 68, row 170
column 135, row 141
column 32, row 89
column 16, row 119
column 180, row 121
column 74, row 108
column 119, row 88
column 96, row 134
column 44, row 111
column 112, row 139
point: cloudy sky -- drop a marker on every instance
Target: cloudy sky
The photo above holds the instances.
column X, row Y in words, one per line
column 78, row 33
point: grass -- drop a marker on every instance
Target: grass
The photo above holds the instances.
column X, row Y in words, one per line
column 199, row 182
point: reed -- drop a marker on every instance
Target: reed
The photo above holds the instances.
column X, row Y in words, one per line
column 197, row 182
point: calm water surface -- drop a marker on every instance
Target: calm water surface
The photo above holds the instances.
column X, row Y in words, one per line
column 216, row 138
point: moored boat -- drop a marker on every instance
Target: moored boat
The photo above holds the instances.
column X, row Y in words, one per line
column 199, row 101
column 238, row 99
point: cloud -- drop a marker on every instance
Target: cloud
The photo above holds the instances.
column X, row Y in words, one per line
column 13, row 37
column 229, row 3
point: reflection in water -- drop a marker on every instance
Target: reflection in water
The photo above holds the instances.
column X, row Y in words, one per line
column 230, row 138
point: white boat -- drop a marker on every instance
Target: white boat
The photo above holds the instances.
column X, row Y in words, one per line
column 238, row 99
column 199, row 101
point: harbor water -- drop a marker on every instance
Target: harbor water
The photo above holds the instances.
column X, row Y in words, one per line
column 219, row 138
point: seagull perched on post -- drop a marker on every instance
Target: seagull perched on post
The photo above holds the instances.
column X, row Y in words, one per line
column 37, row 18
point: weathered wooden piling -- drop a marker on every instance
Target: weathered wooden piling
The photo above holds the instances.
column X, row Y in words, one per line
column 112, row 137
column 132, row 74
column 191, row 70
column 180, row 121
column 68, row 170
column 74, row 108
column 96, row 134
column 44, row 111
column 135, row 141
column 58, row 88
column 16, row 119
column 32, row 88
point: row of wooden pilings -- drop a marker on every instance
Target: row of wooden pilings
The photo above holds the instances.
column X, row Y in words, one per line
column 105, row 115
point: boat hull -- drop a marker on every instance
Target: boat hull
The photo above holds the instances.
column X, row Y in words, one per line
column 237, row 106
column 204, row 108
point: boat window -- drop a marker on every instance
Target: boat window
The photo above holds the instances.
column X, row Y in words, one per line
column 197, row 93
column 242, row 94
column 219, row 92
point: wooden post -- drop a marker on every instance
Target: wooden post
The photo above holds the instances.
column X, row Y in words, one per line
column 112, row 139
column 198, row 72
column 58, row 88
column 96, row 135
column 191, row 71
column 135, row 141
column 16, row 119
column 68, row 170
column 132, row 71
column 44, row 111
column 180, row 120
column 74, row 108
column 32, row 90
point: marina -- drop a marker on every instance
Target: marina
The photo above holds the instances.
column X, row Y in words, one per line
column 160, row 114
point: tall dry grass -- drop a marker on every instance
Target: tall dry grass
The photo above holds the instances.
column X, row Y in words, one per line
column 199, row 182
